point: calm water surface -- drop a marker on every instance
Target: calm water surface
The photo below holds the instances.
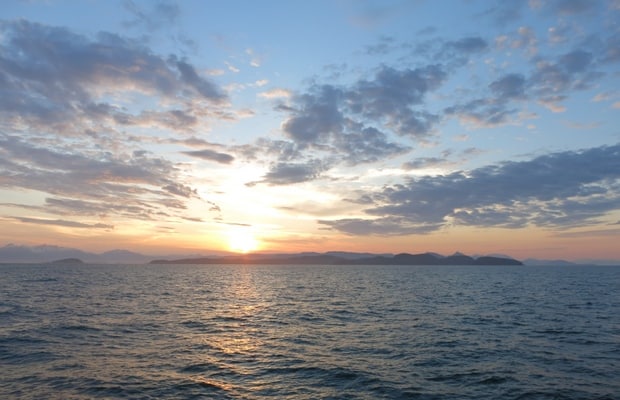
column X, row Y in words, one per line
column 309, row 332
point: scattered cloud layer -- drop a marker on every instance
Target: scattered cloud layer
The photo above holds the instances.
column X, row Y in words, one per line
column 106, row 127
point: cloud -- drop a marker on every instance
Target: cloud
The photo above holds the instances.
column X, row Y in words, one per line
column 604, row 96
column 369, row 16
column 384, row 45
column 576, row 61
column 275, row 93
column 388, row 98
column 282, row 173
column 366, row 145
column 68, row 60
column 192, row 142
column 81, row 207
column 383, row 114
column 61, row 222
column 483, row 112
column 612, row 49
column 206, row 88
column 572, row 7
column 571, row 71
column 266, row 148
column 506, row 12
column 318, row 116
column 387, row 226
column 255, row 60
column 563, row 189
column 551, row 81
column 426, row 162
column 444, row 161
column 472, row 44
column 83, row 102
column 510, row 86
column 162, row 13
column 589, row 233
column 135, row 185
column 211, row 155
column 354, row 123
column 58, row 79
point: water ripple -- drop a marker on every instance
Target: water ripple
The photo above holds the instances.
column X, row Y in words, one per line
column 312, row 332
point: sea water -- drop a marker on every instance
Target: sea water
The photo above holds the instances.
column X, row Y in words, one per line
column 309, row 332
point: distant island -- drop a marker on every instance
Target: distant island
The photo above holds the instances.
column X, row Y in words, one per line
column 68, row 261
column 346, row 259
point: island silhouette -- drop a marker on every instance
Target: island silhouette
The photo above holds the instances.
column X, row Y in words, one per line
column 337, row 258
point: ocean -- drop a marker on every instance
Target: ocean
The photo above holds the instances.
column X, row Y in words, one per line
column 309, row 332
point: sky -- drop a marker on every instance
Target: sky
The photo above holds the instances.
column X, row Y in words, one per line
column 485, row 127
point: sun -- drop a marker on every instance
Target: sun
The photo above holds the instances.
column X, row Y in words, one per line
column 242, row 241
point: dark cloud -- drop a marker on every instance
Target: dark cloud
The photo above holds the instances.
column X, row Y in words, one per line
column 204, row 87
column 191, row 142
column 387, row 226
column 178, row 189
column 355, row 122
column 469, row 44
column 366, row 145
column 612, row 49
column 211, row 155
column 571, row 71
column 562, row 189
column 576, row 61
column 317, row 117
column 391, row 94
column 510, row 86
column 290, row 173
column 387, row 99
column 45, row 58
column 453, row 54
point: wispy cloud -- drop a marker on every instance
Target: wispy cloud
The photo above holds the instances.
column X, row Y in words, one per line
column 211, row 155
column 137, row 185
column 61, row 222
column 161, row 14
